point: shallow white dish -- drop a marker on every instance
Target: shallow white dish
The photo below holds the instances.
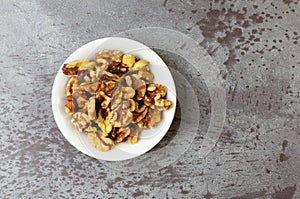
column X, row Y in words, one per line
column 149, row 137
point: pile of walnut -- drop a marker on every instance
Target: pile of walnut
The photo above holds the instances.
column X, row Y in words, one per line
column 113, row 98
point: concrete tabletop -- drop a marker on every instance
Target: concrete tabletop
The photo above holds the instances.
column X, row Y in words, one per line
column 236, row 132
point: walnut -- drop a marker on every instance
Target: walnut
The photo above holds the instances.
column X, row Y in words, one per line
column 119, row 70
column 139, row 85
column 109, row 57
column 139, row 116
column 140, row 64
column 73, row 67
column 138, row 108
column 116, row 99
column 128, row 59
column 92, row 108
column 157, row 89
column 86, row 87
column 144, row 122
column 127, row 92
column 81, row 101
column 100, row 142
column 149, row 101
column 146, row 75
column 134, row 134
column 90, row 129
column 71, row 82
column 155, row 95
column 107, row 76
column 122, row 117
column 93, row 76
column 132, row 139
column 109, row 88
column 122, row 111
column 128, row 81
column 105, row 102
column 104, row 122
column 129, row 133
column 122, row 133
column 69, row 105
column 128, row 105
column 162, row 104
column 153, row 117
column 69, row 91
column 81, row 121
column 87, row 66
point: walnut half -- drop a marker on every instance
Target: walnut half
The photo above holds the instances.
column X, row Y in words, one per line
column 100, row 142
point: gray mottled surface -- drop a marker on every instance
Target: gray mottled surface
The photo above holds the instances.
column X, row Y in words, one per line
column 256, row 46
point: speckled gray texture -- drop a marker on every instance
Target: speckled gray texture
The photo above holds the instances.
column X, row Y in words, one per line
column 256, row 47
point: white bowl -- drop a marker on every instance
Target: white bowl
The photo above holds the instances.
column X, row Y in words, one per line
column 149, row 137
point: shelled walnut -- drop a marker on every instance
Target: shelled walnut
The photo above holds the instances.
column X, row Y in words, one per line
column 112, row 98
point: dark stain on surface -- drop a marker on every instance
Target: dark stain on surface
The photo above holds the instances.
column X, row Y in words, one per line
column 227, row 137
column 287, row 1
column 251, row 195
column 228, row 27
column 256, row 19
column 138, row 193
column 165, row 2
column 283, row 157
column 230, row 37
column 208, row 195
column 194, row 11
column 183, row 191
column 225, row 26
column 234, row 91
column 111, row 184
column 286, row 193
column 284, row 145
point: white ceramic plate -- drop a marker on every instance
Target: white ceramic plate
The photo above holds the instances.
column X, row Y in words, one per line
column 149, row 137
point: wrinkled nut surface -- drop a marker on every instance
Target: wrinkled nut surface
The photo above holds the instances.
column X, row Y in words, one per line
column 101, row 142
column 155, row 97
column 139, row 85
column 106, row 57
column 151, row 119
column 146, row 75
column 69, row 88
column 128, row 59
column 92, row 109
column 155, row 117
column 113, row 98
column 122, row 116
column 140, row 64
column 86, row 65
column 104, row 123
column 73, row 67
column 134, row 134
column 81, row 121
column 139, row 116
column 69, row 106
column 128, row 81
column 122, row 133
column 91, row 129
column 127, row 92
